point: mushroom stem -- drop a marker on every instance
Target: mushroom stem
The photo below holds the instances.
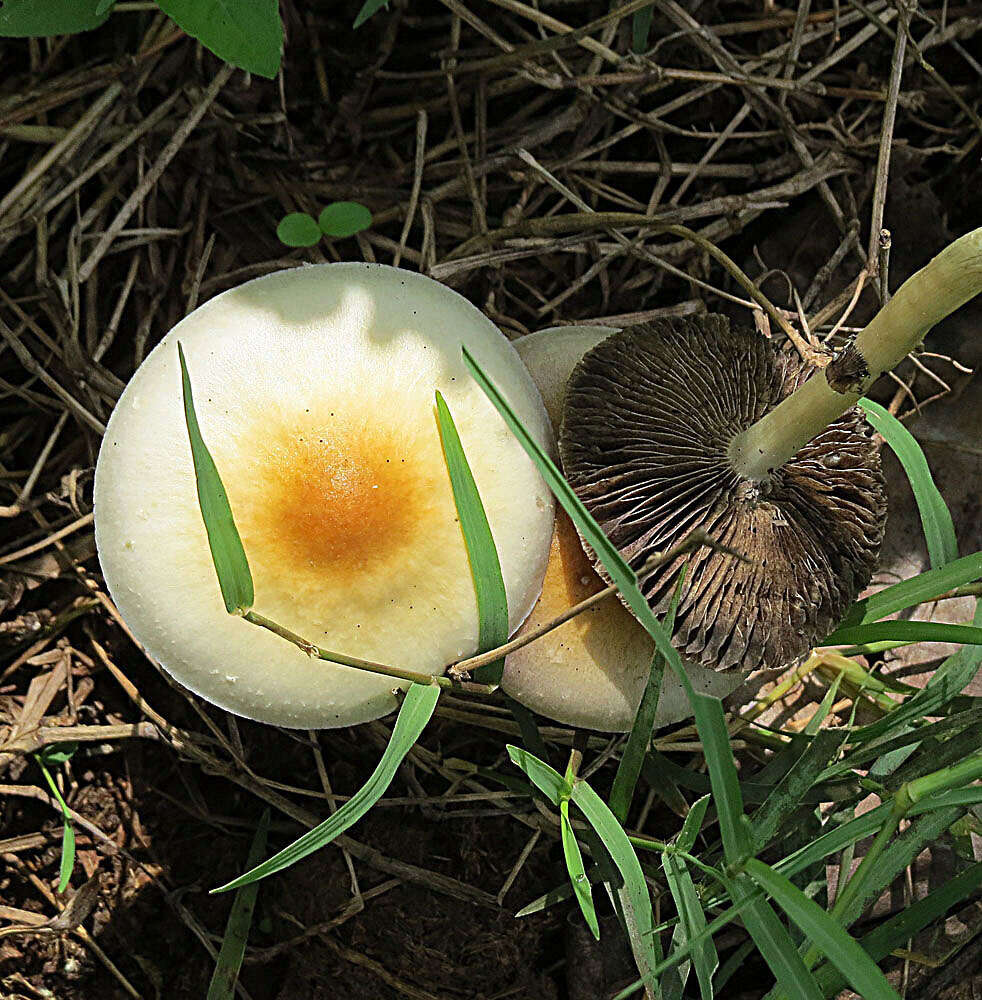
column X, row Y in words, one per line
column 924, row 299
column 369, row 665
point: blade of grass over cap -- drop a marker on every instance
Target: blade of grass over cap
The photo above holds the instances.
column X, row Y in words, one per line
column 831, row 937
column 489, row 587
column 629, row 768
column 939, row 531
column 227, row 553
column 416, row 710
column 226, row 974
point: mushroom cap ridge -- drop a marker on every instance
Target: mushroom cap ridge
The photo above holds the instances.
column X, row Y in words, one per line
column 314, row 388
column 648, row 416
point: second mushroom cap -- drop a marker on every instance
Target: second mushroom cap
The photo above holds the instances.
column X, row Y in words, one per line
column 648, row 418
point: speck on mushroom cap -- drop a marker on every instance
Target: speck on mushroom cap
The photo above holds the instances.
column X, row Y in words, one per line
column 314, row 389
column 648, row 417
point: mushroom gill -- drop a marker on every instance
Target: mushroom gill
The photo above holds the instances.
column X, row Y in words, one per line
column 648, row 418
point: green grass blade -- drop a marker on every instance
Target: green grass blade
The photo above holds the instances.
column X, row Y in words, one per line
column 635, row 901
column 227, row 553
column 641, row 28
column 547, row 779
column 368, row 9
column 939, row 531
column 774, row 943
column 67, row 830
column 625, row 580
column 577, row 873
column 918, row 589
column 907, row 632
column 944, row 686
column 629, row 768
column 492, row 601
column 896, row 931
column 692, row 824
column 711, row 723
column 829, row 936
column 226, row 974
column 415, row 712
column 789, row 792
column 693, row 920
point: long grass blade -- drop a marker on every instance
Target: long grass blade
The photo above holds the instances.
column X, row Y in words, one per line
column 67, row 830
column 939, row 531
column 774, row 943
column 907, row 632
column 918, row 589
column 629, row 768
column 829, row 936
column 635, row 901
column 790, row 791
column 227, row 553
column 492, row 601
column 226, row 974
column 692, row 921
column 415, row 712
column 896, row 931
column 711, row 723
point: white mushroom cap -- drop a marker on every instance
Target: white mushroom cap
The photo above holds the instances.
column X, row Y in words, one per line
column 314, row 389
column 550, row 356
column 591, row 671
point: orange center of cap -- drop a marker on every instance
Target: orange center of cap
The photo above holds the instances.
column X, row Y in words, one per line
column 332, row 495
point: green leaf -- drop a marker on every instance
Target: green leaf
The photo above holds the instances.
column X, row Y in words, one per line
column 788, row 794
column 489, row 587
column 40, row 18
column 415, row 712
column 918, row 589
column 635, row 901
column 577, row 873
column 547, row 779
column 245, row 33
column 298, row 229
column 693, row 920
column 227, row 553
column 641, row 28
column 774, row 943
column 906, row 631
column 368, row 9
column 632, row 760
column 67, row 830
column 828, row 935
column 723, row 775
column 58, row 753
column 939, row 531
column 944, row 686
column 344, row 218
column 226, row 974
column 104, row 6
column 692, row 824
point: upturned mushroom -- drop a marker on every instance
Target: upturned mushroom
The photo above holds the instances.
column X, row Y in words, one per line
column 688, row 423
column 591, row 670
column 315, row 394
